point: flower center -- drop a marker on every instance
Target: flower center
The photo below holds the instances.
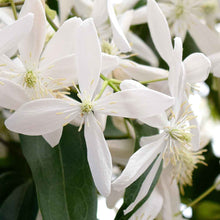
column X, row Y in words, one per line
column 109, row 48
column 209, row 7
column 30, row 79
column 86, row 107
column 178, row 151
column 179, row 10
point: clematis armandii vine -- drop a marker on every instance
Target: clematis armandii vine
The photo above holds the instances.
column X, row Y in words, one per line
column 47, row 115
column 178, row 140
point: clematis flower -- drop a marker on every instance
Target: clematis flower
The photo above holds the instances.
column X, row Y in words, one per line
column 179, row 13
column 178, row 140
column 47, row 115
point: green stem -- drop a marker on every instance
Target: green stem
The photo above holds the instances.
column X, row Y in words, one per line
column 14, row 9
column 7, row 4
column 197, row 200
column 50, row 21
column 151, row 81
column 105, row 84
column 110, row 83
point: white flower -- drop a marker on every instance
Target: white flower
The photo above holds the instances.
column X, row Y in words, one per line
column 179, row 137
column 179, row 13
column 47, row 115
column 39, row 72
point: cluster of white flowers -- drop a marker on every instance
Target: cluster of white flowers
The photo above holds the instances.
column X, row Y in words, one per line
column 92, row 57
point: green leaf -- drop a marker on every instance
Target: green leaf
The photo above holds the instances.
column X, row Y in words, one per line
column 62, row 176
column 8, row 181
column 133, row 190
column 21, row 204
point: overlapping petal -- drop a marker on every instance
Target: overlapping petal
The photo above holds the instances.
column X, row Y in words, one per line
column 98, row 155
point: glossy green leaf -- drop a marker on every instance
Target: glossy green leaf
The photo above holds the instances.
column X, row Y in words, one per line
column 21, row 204
column 62, row 176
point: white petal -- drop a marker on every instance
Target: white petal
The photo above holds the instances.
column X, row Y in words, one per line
column 12, row 95
column 109, row 63
column 197, row 67
column 195, row 135
column 137, row 164
column 207, row 40
column 98, row 155
column 149, row 139
column 100, row 13
column 62, row 71
column 159, row 30
column 126, row 5
column 175, row 80
column 169, row 190
column 158, row 121
column 142, row 50
column 134, row 103
column 145, row 185
column 64, row 9
column 118, row 35
column 142, row 72
column 63, row 42
column 12, row 34
column 113, row 198
column 151, row 208
column 53, row 138
column 89, row 57
column 31, row 46
column 121, row 150
column 42, row 116
column 131, row 84
column 125, row 21
column 215, row 60
column 140, row 16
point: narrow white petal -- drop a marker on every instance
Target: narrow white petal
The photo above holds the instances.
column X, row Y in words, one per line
column 42, row 116
column 98, row 155
column 151, row 208
column 142, row 50
column 195, row 135
column 215, row 60
column 145, row 185
column 100, row 12
column 142, row 72
column 168, row 188
column 12, row 34
column 109, row 63
column 64, row 9
column 53, row 138
column 140, row 16
column 32, row 45
column 63, row 42
column 207, row 40
column 137, row 164
column 125, row 21
column 134, row 103
column 113, row 198
column 149, row 139
column 89, row 57
column 176, row 73
column 118, row 35
column 159, row 30
column 158, row 121
column 126, row 5
column 197, row 67
column 61, row 72
column 12, row 95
